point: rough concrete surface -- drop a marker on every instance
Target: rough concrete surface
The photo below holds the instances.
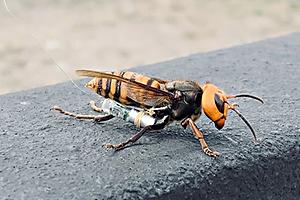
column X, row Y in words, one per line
column 45, row 155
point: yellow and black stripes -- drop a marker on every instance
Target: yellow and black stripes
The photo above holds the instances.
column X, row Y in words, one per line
column 123, row 92
column 118, row 88
column 108, row 87
column 150, row 82
column 99, row 85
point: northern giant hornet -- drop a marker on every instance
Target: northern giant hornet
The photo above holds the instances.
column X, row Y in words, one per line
column 165, row 101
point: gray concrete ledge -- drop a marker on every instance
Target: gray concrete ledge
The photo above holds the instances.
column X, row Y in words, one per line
column 44, row 155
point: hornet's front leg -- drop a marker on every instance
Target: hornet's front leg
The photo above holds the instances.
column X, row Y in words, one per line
column 200, row 137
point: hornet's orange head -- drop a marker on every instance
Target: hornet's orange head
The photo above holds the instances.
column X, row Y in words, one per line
column 215, row 105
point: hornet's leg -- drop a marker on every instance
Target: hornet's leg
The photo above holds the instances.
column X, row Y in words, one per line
column 94, row 107
column 136, row 136
column 200, row 137
column 97, row 118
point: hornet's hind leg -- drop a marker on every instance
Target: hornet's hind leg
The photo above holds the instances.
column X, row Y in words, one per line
column 94, row 107
column 136, row 136
column 97, row 118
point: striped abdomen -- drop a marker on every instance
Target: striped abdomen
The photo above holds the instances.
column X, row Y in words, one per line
column 120, row 91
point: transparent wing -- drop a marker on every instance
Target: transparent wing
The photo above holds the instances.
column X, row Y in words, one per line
column 139, row 92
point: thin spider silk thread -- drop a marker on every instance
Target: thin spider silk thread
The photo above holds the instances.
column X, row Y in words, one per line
column 41, row 47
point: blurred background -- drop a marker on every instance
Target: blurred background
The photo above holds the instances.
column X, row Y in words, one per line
column 119, row 34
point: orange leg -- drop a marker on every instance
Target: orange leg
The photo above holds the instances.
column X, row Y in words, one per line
column 200, row 137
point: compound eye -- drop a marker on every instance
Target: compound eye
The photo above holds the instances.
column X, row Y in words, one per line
column 198, row 97
column 219, row 103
